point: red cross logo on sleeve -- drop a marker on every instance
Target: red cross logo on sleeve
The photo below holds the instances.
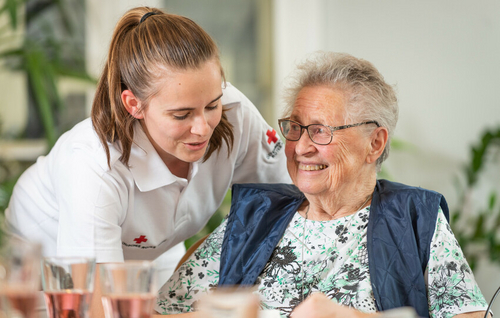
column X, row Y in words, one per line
column 141, row 239
column 271, row 134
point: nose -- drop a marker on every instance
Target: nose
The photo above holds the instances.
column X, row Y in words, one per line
column 304, row 145
column 200, row 126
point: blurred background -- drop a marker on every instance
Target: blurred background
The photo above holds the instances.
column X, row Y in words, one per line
column 442, row 56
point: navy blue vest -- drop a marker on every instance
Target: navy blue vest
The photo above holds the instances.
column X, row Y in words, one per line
column 400, row 229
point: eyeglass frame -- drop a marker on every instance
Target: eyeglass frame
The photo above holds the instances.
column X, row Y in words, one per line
column 332, row 129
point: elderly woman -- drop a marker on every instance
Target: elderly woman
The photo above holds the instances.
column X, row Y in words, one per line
column 337, row 233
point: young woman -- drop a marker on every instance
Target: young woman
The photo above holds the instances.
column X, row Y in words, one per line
column 166, row 139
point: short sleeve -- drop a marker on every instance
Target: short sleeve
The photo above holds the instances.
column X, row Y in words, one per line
column 196, row 277
column 260, row 150
column 91, row 205
column 452, row 289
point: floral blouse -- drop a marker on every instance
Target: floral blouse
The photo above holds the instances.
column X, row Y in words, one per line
column 329, row 257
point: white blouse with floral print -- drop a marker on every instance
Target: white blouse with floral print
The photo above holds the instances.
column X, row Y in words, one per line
column 332, row 259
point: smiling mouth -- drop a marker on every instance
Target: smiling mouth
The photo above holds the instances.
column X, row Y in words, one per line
column 312, row 167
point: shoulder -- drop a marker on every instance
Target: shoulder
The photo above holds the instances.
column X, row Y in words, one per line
column 284, row 190
column 398, row 191
column 231, row 95
column 248, row 123
column 238, row 104
column 81, row 143
column 414, row 199
column 386, row 186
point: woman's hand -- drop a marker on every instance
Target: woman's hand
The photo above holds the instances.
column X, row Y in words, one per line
column 318, row 305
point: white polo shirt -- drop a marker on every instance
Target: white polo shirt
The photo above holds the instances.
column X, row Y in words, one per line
column 74, row 204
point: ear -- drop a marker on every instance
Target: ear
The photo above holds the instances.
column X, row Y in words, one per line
column 132, row 104
column 378, row 141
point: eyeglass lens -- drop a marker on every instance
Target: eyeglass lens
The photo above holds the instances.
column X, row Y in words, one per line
column 318, row 133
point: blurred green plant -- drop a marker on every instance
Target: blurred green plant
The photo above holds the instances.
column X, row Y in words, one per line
column 7, row 185
column 45, row 56
column 476, row 228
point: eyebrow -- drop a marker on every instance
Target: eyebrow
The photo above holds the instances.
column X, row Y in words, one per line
column 314, row 122
column 191, row 108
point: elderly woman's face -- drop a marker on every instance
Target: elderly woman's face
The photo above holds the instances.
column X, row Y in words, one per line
column 317, row 169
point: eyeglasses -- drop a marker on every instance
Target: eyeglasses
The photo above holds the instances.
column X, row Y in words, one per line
column 319, row 134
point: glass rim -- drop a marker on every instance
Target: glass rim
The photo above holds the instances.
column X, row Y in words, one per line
column 129, row 264
column 91, row 258
column 67, row 260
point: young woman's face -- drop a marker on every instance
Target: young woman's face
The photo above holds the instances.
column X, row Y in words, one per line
column 181, row 118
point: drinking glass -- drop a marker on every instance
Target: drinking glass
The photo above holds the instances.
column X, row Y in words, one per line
column 68, row 283
column 231, row 302
column 19, row 278
column 128, row 289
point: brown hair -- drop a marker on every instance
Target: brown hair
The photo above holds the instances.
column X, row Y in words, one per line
column 138, row 54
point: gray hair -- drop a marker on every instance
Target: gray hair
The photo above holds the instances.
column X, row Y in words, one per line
column 369, row 97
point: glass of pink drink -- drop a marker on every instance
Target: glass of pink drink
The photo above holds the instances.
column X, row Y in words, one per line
column 19, row 278
column 128, row 289
column 68, row 283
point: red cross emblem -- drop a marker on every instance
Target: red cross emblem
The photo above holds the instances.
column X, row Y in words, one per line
column 272, row 136
column 141, row 239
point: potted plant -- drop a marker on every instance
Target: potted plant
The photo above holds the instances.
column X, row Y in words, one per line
column 476, row 227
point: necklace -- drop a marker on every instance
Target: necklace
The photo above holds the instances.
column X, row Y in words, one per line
column 334, row 244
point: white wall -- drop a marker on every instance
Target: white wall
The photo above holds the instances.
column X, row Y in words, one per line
column 442, row 55
column 299, row 28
